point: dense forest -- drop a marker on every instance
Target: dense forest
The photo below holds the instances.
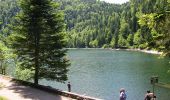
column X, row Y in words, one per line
column 140, row 24
column 8, row 9
column 91, row 23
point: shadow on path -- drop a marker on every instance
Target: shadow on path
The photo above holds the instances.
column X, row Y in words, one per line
column 15, row 91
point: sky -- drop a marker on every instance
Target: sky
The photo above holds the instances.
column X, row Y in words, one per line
column 115, row 1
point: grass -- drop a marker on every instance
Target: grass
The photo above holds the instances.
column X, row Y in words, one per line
column 1, row 86
column 3, row 98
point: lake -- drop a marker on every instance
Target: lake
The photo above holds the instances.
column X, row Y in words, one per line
column 101, row 73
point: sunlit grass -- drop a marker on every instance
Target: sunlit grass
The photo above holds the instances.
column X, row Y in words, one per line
column 3, row 98
column 1, row 86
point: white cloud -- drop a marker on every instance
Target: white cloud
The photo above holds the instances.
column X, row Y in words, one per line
column 115, row 1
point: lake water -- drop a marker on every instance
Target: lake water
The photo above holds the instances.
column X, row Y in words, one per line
column 101, row 73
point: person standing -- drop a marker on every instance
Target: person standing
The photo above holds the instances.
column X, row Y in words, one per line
column 69, row 87
column 123, row 95
column 149, row 96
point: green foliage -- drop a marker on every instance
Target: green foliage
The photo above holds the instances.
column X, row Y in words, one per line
column 138, row 39
column 112, row 43
column 122, row 42
column 3, row 98
column 130, row 39
column 90, row 22
column 95, row 24
column 2, row 85
column 105, row 46
column 143, row 46
column 158, row 22
column 148, row 20
column 6, row 55
column 94, row 44
column 8, row 9
column 38, row 38
column 23, row 73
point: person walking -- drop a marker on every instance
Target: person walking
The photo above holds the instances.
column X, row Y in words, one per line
column 123, row 95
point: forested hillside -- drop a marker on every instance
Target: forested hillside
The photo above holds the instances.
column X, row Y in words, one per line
column 92, row 23
column 8, row 9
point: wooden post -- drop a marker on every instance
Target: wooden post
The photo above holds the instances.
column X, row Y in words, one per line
column 154, row 79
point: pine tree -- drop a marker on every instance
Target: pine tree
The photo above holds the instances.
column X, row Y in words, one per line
column 39, row 40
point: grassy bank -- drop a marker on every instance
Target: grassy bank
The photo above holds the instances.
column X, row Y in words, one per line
column 1, row 85
column 3, row 98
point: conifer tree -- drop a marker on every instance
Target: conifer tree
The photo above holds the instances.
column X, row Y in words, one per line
column 39, row 40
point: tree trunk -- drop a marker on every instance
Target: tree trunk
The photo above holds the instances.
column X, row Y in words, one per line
column 36, row 76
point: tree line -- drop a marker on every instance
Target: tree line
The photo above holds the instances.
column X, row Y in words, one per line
column 96, row 24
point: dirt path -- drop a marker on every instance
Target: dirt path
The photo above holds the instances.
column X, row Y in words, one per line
column 14, row 91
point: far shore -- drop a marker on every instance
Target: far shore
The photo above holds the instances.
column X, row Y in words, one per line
column 146, row 51
column 139, row 50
